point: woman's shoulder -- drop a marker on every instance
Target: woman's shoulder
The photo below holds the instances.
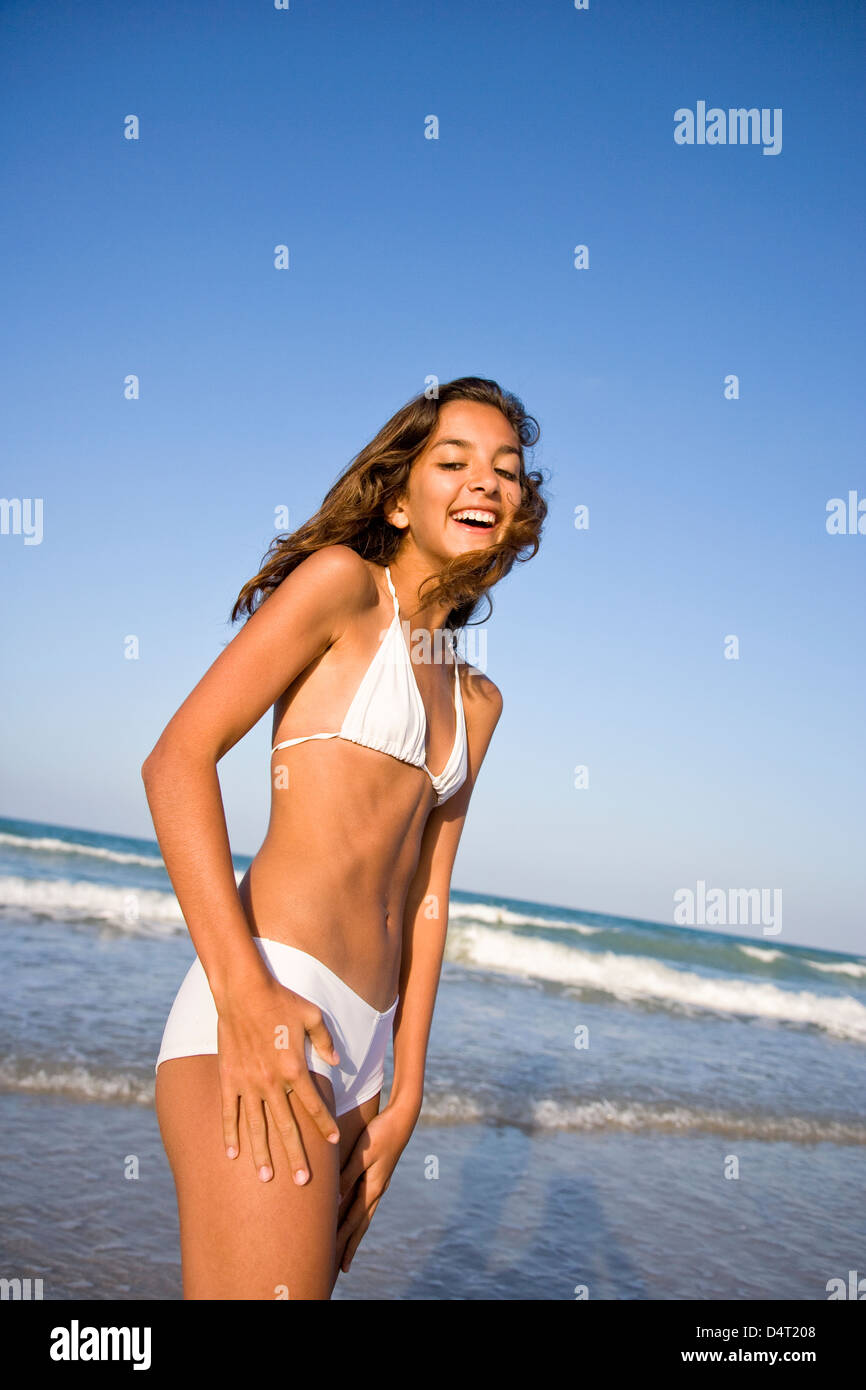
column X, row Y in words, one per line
column 479, row 691
column 340, row 561
column 343, row 568
column 325, row 592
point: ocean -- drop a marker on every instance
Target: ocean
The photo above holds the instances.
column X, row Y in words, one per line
column 614, row 1109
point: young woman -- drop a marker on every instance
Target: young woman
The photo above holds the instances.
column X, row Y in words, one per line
column 271, row 1065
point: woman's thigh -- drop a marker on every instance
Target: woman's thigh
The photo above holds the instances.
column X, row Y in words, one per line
column 242, row 1238
column 351, row 1125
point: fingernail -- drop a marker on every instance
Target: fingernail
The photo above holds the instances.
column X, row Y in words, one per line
column 265, row 1173
column 300, row 1176
column 333, row 1138
column 232, row 1153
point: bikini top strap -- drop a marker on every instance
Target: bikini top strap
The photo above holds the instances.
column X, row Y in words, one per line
column 455, row 654
column 452, row 641
column 393, row 590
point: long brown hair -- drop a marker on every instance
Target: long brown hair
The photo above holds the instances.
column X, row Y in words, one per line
column 352, row 512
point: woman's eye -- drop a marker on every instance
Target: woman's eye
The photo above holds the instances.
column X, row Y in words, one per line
column 512, row 477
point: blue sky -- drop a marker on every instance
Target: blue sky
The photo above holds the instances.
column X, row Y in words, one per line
column 411, row 257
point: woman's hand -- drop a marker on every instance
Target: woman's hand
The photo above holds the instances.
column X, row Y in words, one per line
column 366, row 1175
column 261, row 1032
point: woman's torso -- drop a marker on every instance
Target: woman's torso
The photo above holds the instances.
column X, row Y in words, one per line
column 346, row 822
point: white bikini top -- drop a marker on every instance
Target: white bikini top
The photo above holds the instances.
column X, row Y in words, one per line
column 388, row 714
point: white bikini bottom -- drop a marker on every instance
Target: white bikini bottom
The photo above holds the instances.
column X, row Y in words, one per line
column 360, row 1033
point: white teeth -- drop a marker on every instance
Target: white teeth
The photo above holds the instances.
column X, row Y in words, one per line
column 488, row 517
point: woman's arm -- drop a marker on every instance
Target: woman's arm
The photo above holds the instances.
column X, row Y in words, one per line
column 425, row 918
column 367, row 1171
column 299, row 621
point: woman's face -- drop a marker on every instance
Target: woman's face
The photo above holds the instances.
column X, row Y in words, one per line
column 471, row 463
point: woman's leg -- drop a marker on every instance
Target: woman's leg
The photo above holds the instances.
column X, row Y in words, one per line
column 242, row 1238
column 351, row 1124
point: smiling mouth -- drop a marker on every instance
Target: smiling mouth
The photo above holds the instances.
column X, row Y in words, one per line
column 475, row 523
